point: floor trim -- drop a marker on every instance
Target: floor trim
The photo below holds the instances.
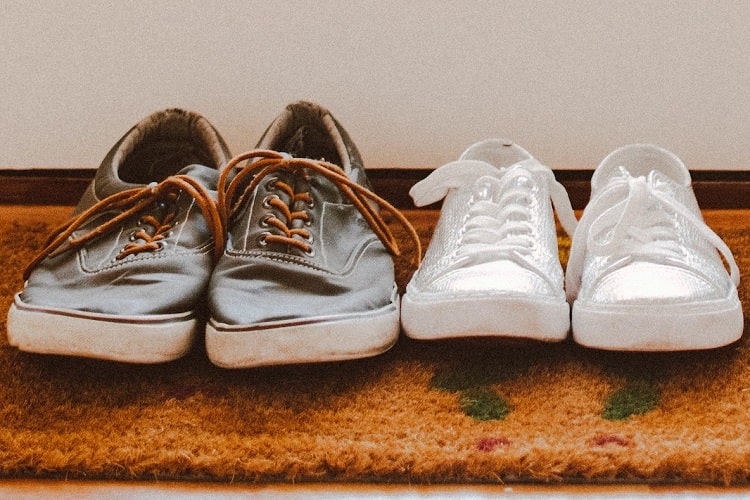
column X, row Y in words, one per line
column 715, row 189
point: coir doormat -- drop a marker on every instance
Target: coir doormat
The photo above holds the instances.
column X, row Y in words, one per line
column 421, row 413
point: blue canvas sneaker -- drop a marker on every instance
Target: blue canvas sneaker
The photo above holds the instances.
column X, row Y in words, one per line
column 306, row 275
column 124, row 278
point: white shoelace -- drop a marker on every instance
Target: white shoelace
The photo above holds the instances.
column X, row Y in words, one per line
column 495, row 226
column 628, row 228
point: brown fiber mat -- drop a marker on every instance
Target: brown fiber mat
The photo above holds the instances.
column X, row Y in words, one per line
column 444, row 412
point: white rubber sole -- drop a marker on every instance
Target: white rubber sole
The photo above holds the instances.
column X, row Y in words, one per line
column 321, row 339
column 434, row 318
column 683, row 327
column 129, row 339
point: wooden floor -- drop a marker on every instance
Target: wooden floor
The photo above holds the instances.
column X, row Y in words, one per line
column 20, row 489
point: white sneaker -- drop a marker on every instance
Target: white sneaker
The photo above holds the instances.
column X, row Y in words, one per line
column 644, row 269
column 492, row 268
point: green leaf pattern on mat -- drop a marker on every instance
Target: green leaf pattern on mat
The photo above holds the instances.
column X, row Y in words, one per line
column 637, row 397
column 477, row 400
column 483, row 404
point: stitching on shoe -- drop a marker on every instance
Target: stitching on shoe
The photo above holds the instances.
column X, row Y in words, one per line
column 293, row 259
column 204, row 249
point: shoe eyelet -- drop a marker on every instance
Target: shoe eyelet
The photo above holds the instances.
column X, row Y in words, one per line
column 132, row 236
column 265, row 219
column 160, row 245
column 263, row 241
column 271, row 183
column 311, row 252
column 267, row 200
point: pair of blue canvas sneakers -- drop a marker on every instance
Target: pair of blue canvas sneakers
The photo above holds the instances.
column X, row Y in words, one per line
column 281, row 255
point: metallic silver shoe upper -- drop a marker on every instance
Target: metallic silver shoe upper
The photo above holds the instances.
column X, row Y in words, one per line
column 496, row 231
column 642, row 239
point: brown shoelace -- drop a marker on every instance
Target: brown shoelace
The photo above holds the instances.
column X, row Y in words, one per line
column 132, row 202
column 267, row 162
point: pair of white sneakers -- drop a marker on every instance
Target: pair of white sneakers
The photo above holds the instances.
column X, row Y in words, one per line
column 644, row 273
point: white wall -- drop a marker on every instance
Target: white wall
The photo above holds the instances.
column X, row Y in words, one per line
column 414, row 82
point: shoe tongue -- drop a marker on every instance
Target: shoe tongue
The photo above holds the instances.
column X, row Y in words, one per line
column 207, row 176
column 655, row 178
column 657, row 181
column 620, row 174
column 499, row 153
column 640, row 160
column 523, row 184
column 309, row 142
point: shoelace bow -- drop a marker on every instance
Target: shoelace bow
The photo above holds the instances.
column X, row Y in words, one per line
column 132, row 202
column 491, row 225
column 628, row 228
column 266, row 162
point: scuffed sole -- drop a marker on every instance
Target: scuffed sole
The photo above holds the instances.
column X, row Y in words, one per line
column 683, row 327
column 129, row 339
column 316, row 340
column 435, row 318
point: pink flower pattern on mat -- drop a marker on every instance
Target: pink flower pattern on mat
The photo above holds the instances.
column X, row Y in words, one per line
column 492, row 443
column 604, row 439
